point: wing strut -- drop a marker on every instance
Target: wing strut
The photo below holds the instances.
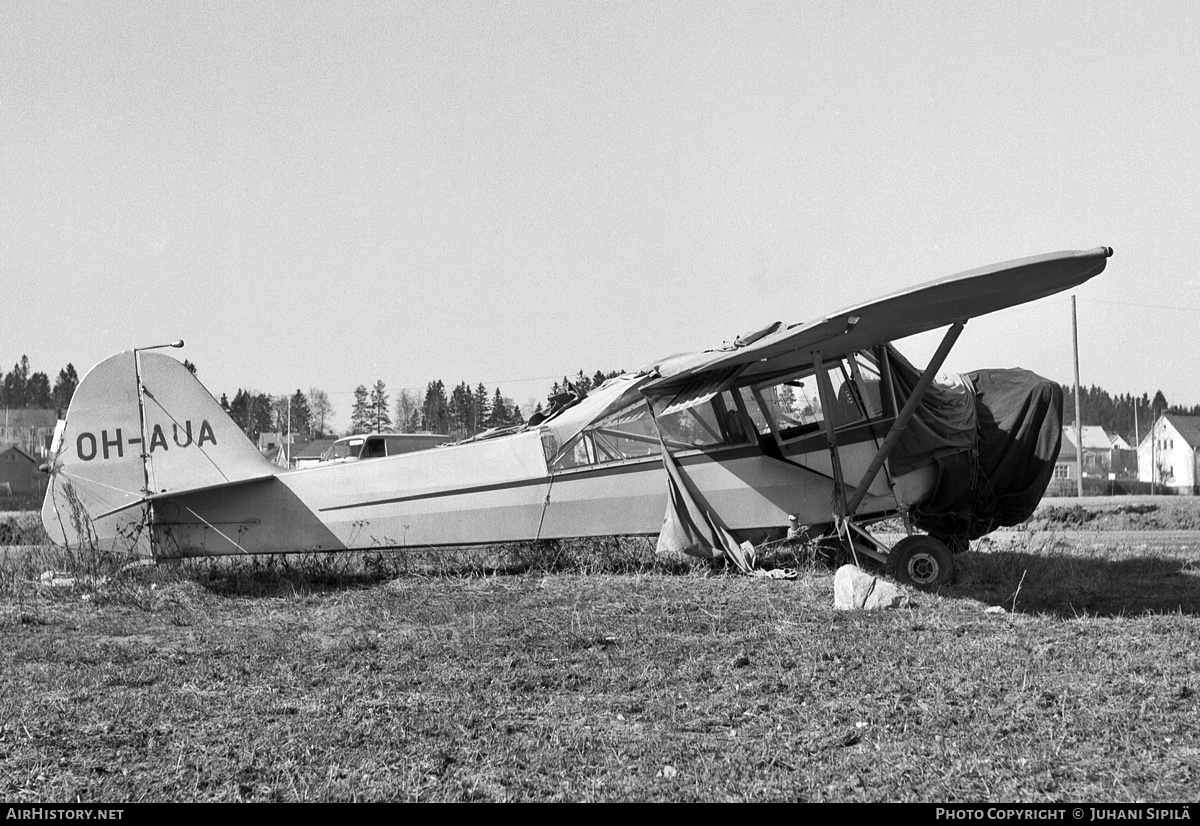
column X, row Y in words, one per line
column 906, row 414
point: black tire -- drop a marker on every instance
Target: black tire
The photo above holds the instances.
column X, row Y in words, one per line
column 921, row 561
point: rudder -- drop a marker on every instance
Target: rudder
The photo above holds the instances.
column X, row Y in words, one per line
column 107, row 457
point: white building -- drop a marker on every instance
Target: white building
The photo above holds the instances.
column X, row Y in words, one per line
column 1167, row 455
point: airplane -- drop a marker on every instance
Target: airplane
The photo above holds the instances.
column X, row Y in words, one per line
column 791, row 430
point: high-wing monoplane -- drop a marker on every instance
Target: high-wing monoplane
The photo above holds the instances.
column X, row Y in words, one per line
column 820, row 424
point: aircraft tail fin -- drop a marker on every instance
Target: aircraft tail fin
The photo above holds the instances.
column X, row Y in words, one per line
column 116, row 448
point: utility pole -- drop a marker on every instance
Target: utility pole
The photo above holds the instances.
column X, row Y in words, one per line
column 1137, row 441
column 1078, row 422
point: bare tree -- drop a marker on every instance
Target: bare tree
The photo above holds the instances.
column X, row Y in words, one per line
column 321, row 410
column 408, row 411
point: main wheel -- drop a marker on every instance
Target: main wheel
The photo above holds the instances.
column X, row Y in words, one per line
column 921, row 561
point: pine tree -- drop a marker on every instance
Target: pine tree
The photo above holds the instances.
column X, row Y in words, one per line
column 301, row 415
column 37, row 392
column 481, row 410
column 64, row 387
column 462, row 401
column 361, row 415
column 498, row 415
column 237, row 410
column 14, row 384
column 435, row 408
column 261, row 420
column 380, row 419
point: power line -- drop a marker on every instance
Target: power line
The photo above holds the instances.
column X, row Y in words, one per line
column 1145, row 306
column 493, row 383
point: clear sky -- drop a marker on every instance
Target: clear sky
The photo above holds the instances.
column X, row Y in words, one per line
column 322, row 194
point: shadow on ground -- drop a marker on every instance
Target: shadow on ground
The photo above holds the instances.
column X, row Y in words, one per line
column 1076, row 584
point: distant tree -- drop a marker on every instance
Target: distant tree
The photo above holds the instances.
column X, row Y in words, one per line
column 462, row 405
column 64, row 387
column 479, row 424
column 238, row 410
column 408, row 411
column 581, row 382
column 292, row 414
column 498, row 416
column 301, row 415
column 380, row 420
column 225, row 402
column 279, row 412
column 1159, row 405
column 37, row 392
column 252, row 412
column 435, row 409
column 321, row 411
column 191, row 368
column 361, row 415
column 14, row 384
column 261, row 418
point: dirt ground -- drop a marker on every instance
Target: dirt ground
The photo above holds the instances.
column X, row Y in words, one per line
column 1118, row 513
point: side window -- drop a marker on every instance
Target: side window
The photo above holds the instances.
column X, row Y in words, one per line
column 713, row 420
column 627, row 434
column 793, row 407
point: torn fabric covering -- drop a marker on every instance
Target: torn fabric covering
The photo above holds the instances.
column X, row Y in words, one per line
column 691, row 527
column 1001, row 482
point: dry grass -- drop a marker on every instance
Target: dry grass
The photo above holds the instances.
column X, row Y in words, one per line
column 593, row 671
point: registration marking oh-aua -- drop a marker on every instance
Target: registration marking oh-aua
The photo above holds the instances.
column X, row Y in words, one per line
column 88, row 446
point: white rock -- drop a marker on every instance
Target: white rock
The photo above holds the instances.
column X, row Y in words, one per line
column 856, row 590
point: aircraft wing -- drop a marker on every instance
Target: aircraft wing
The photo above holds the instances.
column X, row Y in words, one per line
column 907, row 312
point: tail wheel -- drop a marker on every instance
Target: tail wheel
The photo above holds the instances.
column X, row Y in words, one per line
column 921, row 561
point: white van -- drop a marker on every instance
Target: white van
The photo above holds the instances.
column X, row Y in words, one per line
column 378, row 445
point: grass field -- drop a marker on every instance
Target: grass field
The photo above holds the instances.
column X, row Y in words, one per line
column 593, row 671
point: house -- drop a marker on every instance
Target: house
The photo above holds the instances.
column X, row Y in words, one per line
column 1105, row 456
column 1167, row 456
column 18, row 471
column 31, row 429
column 281, row 448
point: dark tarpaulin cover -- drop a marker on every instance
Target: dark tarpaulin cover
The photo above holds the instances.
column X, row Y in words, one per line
column 1000, row 479
column 944, row 423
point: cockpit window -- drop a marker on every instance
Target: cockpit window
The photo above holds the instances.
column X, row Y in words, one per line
column 793, row 407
